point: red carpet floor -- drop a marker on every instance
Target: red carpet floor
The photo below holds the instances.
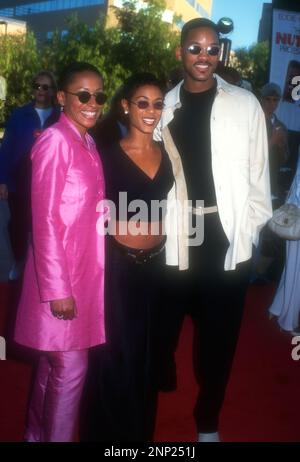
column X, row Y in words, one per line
column 262, row 401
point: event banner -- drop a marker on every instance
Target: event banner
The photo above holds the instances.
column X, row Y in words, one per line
column 285, row 65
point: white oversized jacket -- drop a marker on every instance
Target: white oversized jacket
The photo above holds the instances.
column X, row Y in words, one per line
column 240, row 168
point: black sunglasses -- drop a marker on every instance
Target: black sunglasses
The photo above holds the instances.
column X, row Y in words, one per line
column 85, row 96
column 212, row 50
column 143, row 104
column 41, row 86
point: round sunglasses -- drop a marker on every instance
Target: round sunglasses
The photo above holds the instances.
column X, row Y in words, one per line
column 212, row 50
column 84, row 96
column 41, row 86
column 143, row 104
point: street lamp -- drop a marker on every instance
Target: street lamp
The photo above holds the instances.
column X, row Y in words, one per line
column 225, row 26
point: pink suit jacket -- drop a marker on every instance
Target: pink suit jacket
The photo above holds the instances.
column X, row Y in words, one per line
column 67, row 255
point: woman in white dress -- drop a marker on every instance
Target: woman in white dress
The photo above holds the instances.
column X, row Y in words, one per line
column 286, row 303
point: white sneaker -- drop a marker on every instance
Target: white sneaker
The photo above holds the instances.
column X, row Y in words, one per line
column 209, row 437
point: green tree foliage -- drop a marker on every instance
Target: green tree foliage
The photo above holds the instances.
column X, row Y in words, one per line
column 83, row 44
column 19, row 61
column 140, row 41
column 253, row 63
column 146, row 43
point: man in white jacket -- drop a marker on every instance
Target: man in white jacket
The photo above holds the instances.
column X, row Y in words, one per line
column 216, row 138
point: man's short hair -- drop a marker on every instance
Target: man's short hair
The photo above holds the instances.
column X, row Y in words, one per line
column 196, row 23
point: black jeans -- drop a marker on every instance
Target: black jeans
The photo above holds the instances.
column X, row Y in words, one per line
column 120, row 398
column 214, row 298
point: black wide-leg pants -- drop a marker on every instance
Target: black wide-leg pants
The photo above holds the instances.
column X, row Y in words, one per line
column 120, row 399
column 214, row 298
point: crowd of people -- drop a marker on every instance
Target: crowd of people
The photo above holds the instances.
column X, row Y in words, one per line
column 126, row 223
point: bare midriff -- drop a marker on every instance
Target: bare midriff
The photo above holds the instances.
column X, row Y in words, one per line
column 142, row 235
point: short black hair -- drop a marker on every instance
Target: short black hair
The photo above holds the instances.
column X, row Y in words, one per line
column 68, row 73
column 196, row 23
column 138, row 80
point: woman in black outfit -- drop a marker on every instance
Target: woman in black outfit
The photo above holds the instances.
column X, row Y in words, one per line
column 122, row 388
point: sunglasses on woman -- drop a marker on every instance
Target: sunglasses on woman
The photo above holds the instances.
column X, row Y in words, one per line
column 212, row 50
column 41, row 86
column 85, row 96
column 143, row 104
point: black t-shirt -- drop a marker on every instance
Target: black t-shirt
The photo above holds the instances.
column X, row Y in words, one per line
column 190, row 130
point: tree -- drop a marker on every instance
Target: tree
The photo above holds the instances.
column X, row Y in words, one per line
column 84, row 44
column 252, row 63
column 19, row 61
column 141, row 41
column 146, row 43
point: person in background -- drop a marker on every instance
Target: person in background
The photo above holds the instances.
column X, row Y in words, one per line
column 269, row 258
column 6, row 258
column 61, row 310
column 229, row 74
column 286, row 303
column 22, row 129
column 124, row 373
column 232, row 75
column 215, row 135
column 246, row 85
column 277, row 137
column 3, row 89
column 174, row 77
column 113, row 126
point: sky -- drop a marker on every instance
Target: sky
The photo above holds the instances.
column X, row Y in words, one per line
column 245, row 15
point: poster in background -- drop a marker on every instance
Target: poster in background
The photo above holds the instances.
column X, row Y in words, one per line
column 285, row 64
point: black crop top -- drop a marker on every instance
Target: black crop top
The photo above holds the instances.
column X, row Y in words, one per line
column 132, row 190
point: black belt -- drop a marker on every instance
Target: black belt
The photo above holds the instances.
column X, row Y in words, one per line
column 140, row 256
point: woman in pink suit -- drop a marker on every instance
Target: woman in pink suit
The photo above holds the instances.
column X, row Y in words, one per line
column 61, row 307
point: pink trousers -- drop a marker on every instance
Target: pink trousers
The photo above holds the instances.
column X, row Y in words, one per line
column 54, row 404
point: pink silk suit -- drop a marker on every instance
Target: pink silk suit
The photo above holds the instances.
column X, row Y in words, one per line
column 67, row 255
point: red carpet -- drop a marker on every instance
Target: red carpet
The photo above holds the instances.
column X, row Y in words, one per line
column 262, row 401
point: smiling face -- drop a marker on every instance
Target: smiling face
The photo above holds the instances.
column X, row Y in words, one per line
column 83, row 115
column 144, row 119
column 199, row 68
